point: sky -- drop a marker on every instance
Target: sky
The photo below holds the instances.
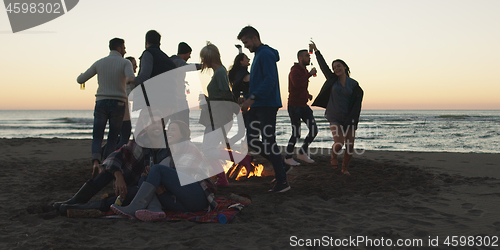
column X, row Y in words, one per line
column 405, row 54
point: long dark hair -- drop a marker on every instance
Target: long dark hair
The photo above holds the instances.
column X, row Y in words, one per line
column 347, row 70
column 235, row 68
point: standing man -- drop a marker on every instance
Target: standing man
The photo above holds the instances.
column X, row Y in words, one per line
column 183, row 54
column 264, row 100
column 113, row 73
column 298, row 95
column 153, row 60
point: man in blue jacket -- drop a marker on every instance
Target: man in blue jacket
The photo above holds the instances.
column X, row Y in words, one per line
column 262, row 104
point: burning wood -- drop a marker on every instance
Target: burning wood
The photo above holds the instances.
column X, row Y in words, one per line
column 239, row 172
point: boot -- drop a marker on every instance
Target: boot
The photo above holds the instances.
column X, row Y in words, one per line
column 140, row 201
column 86, row 192
column 153, row 213
column 63, row 209
column 222, row 180
column 221, row 177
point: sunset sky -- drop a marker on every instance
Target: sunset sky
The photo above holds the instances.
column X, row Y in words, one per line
column 405, row 54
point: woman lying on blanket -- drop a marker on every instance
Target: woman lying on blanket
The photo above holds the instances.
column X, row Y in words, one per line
column 163, row 188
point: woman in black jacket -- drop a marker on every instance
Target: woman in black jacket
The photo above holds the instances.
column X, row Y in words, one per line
column 341, row 96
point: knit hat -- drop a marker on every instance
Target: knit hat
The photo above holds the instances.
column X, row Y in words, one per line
column 183, row 48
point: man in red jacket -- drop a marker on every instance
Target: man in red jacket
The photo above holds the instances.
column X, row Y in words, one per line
column 298, row 81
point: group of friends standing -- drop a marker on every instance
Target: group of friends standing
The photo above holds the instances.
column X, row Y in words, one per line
column 146, row 179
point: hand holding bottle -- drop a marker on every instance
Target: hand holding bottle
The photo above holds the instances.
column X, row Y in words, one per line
column 312, row 47
column 313, row 72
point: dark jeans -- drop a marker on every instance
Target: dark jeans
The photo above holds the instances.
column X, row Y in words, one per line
column 305, row 114
column 124, row 133
column 261, row 121
column 112, row 110
column 187, row 198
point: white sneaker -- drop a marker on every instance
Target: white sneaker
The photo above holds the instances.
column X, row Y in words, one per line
column 291, row 162
column 305, row 157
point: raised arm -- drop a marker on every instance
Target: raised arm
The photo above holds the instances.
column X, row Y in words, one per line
column 322, row 63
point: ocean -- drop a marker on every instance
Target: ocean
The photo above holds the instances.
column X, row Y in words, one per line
column 399, row 130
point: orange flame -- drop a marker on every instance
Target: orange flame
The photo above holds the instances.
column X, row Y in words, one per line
column 243, row 173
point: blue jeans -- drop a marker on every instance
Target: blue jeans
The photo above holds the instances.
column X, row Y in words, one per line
column 187, row 198
column 112, row 110
column 305, row 114
column 261, row 121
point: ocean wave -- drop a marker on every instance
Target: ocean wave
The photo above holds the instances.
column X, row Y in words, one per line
column 366, row 138
column 74, row 120
column 453, row 116
column 21, row 127
column 449, row 126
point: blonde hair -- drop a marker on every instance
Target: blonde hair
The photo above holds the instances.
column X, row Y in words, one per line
column 209, row 56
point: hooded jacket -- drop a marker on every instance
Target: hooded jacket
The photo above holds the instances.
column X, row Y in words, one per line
column 264, row 82
column 298, row 81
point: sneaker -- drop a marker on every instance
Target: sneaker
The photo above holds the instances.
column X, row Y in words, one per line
column 305, row 157
column 280, row 188
column 287, row 168
column 291, row 162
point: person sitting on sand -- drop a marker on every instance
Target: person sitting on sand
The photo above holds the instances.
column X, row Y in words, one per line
column 341, row 96
column 125, row 166
column 164, row 180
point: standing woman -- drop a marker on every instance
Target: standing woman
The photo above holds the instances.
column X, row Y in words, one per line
column 239, row 77
column 127, row 124
column 342, row 97
column 220, row 99
column 239, row 80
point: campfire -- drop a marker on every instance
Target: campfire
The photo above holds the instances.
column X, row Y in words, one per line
column 239, row 172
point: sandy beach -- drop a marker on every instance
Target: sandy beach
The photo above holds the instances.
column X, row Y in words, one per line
column 390, row 197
